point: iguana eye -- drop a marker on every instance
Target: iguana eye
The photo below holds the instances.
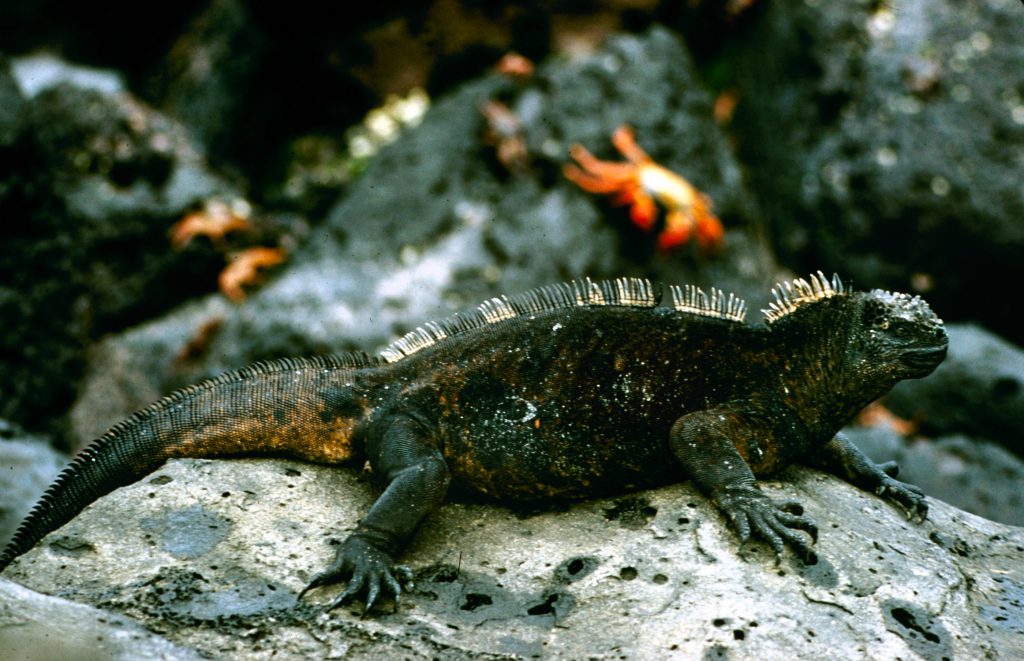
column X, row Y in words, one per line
column 901, row 329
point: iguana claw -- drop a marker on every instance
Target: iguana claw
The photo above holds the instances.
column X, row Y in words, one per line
column 907, row 496
column 368, row 569
column 754, row 514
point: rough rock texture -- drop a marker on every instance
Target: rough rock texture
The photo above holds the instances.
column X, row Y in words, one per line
column 211, row 554
column 35, row 627
column 436, row 225
column 978, row 390
column 886, row 141
column 90, row 182
column 977, row 476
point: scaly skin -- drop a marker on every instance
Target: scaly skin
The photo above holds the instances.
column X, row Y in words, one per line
column 571, row 391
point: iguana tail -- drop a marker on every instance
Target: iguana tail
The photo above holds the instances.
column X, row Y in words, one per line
column 301, row 407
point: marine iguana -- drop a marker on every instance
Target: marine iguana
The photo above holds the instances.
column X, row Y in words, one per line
column 572, row 390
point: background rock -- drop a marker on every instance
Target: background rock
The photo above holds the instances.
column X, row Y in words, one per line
column 211, row 554
column 28, row 464
column 90, row 182
column 209, row 79
column 978, row 390
column 886, row 141
column 975, row 475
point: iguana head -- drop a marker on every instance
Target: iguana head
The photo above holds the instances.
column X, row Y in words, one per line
column 843, row 349
column 886, row 336
column 897, row 335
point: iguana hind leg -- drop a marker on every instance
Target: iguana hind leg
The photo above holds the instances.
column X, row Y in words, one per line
column 702, row 443
column 416, row 479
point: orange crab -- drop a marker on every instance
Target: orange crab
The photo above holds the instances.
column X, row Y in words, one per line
column 641, row 182
column 215, row 220
column 243, row 269
column 514, row 66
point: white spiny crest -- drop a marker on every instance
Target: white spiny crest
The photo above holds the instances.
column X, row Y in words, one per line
column 629, row 292
column 495, row 310
column 790, row 295
column 409, row 343
column 633, row 291
column 587, row 292
column 692, row 299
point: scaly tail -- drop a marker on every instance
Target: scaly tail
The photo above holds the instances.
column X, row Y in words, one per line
column 301, row 407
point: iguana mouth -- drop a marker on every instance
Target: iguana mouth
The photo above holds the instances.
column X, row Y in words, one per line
column 925, row 357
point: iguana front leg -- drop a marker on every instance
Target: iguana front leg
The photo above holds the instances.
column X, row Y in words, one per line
column 703, row 444
column 417, row 480
column 844, row 459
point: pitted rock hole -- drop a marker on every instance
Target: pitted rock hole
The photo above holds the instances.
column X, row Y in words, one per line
column 557, row 604
column 475, row 600
column 442, row 573
column 923, row 634
column 909, row 622
column 71, row 546
column 576, row 568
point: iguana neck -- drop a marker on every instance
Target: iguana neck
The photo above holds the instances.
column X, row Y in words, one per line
column 822, row 383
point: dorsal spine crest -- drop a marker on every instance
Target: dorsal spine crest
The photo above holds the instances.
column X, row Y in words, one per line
column 629, row 292
column 790, row 295
column 692, row 299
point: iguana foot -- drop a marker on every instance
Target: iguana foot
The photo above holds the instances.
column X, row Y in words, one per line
column 754, row 514
column 368, row 569
column 907, row 496
column 841, row 457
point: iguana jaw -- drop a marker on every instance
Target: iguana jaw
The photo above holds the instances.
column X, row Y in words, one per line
column 923, row 361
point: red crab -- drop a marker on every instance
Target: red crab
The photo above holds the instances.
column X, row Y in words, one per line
column 216, row 219
column 640, row 182
column 243, row 269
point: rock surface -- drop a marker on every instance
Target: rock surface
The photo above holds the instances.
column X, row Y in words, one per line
column 91, row 180
column 35, row 627
column 210, row 554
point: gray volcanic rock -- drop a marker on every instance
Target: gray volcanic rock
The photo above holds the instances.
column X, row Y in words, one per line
column 91, row 180
column 974, row 475
column 35, row 627
column 211, row 555
column 29, row 465
column 978, row 390
column 886, row 142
